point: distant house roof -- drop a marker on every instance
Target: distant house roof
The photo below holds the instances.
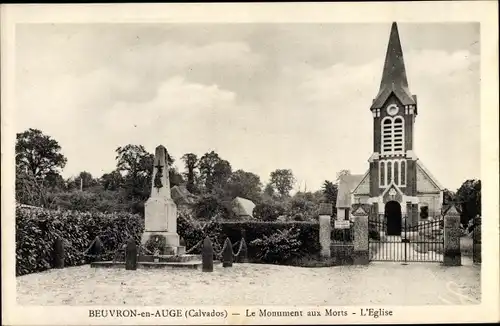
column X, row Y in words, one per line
column 347, row 183
column 182, row 196
column 243, row 206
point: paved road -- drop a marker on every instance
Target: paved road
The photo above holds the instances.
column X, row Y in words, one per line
column 254, row 284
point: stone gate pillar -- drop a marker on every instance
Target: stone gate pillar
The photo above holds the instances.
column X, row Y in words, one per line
column 325, row 229
column 476, row 240
column 452, row 254
column 360, row 254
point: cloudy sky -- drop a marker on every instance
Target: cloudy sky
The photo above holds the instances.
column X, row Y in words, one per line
column 263, row 96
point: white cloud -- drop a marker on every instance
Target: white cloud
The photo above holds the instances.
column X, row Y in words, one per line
column 311, row 118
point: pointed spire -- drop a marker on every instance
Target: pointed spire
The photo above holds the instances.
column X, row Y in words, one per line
column 394, row 74
column 394, row 68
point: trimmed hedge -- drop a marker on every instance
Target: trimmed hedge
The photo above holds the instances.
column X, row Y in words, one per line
column 37, row 229
column 308, row 234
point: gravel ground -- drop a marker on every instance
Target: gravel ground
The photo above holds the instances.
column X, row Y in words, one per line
column 256, row 284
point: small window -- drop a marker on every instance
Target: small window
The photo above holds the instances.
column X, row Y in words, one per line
column 396, row 172
column 382, row 173
column 389, row 172
column 403, row 172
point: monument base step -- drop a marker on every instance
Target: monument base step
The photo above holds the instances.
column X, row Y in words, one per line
column 169, row 258
column 174, row 251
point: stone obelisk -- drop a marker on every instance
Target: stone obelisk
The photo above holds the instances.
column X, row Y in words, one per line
column 160, row 210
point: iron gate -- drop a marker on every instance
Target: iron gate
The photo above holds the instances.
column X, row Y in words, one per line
column 342, row 245
column 416, row 243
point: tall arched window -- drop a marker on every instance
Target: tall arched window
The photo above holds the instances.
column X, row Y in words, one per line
column 392, row 135
column 403, row 173
column 396, row 172
column 387, row 135
column 397, row 134
column 382, row 173
column 389, row 172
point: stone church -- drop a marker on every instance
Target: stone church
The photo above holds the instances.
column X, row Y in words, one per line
column 396, row 184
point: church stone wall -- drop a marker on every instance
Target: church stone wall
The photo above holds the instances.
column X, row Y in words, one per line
column 433, row 201
column 424, row 183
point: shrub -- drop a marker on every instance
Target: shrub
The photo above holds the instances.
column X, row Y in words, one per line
column 279, row 246
column 302, row 209
column 374, row 234
column 308, row 234
column 194, row 231
column 37, row 229
column 156, row 243
column 210, row 206
column 267, row 211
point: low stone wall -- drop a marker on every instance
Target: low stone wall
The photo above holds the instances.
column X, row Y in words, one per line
column 342, row 253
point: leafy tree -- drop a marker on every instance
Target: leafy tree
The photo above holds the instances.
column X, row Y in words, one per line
column 330, row 191
column 210, row 206
column 54, row 181
column 469, row 198
column 303, row 206
column 222, row 173
column 112, row 181
column 136, row 164
column 342, row 173
column 84, row 180
column 244, row 184
column 448, row 196
column 134, row 160
column 268, row 211
column 283, row 181
column 190, row 163
column 39, row 154
column 30, row 191
column 206, row 166
column 269, row 191
column 214, row 171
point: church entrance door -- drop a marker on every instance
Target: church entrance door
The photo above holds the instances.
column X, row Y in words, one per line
column 393, row 217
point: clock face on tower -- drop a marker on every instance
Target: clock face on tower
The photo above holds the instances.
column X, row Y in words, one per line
column 392, row 109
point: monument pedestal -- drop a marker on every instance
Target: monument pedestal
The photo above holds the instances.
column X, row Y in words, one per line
column 161, row 221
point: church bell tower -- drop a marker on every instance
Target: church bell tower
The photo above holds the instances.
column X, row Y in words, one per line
column 394, row 109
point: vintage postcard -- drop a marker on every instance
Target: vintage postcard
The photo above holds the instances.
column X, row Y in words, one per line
column 250, row 163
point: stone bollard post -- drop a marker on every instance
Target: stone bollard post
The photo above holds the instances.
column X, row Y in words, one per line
column 98, row 246
column 58, row 253
column 325, row 229
column 131, row 255
column 452, row 254
column 361, row 255
column 243, row 252
column 227, row 254
column 207, row 256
